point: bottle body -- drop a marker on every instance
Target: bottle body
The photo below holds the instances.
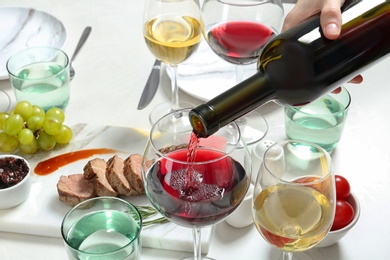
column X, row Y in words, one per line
column 300, row 65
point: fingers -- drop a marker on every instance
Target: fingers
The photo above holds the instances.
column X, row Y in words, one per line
column 331, row 18
column 302, row 10
column 330, row 15
column 357, row 80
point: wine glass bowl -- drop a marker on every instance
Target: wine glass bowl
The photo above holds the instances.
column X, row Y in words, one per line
column 199, row 192
column 172, row 33
column 237, row 31
column 294, row 196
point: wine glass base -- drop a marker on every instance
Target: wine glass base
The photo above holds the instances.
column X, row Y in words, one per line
column 253, row 127
column 163, row 109
column 5, row 101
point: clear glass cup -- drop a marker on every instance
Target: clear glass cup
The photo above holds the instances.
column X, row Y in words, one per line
column 196, row 192
column 103, row 228
column 5, row 101
column 40, row 75
column 237, row 31
column 294, row 196
column 172, row 33
column 321, row 122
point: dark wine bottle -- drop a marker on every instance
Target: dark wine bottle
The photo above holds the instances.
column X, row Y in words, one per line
column 300, row 65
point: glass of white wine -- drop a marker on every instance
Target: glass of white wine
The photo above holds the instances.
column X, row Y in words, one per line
column 172, row 33
column 294, row 196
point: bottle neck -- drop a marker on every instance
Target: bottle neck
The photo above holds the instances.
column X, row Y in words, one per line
column 253, row 92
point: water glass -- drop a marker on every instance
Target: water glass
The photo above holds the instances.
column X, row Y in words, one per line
column 103, row 228
column 40, row 75
column 321, row 122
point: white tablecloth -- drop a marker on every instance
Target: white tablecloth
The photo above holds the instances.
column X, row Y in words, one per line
column 112, row 69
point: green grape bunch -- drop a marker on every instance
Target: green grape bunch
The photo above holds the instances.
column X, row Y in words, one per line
column 29, row 128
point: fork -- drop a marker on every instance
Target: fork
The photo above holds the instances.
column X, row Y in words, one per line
column 83, row 39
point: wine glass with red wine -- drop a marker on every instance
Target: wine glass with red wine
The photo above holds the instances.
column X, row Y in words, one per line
column 237, row 30
column 172, row 33
column 195, row 182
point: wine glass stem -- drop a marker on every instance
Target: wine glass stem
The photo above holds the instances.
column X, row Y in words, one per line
column 175, row 89
column 239, row 73
column 287, row 256
column 240, row 77
column 197, row 243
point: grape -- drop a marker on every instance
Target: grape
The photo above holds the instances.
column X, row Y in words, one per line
column 3, row 117
column 52, row 125
column 25, row 136
column 30, row 148
column 57, row 113
column 46, row 141
column 38, row 111
column 29, row 128
column 64, row 136
column 8, row 143
column 13, row 124
column 35, row 122
column 24, row 109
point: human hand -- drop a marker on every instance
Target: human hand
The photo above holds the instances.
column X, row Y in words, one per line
column 330, row 18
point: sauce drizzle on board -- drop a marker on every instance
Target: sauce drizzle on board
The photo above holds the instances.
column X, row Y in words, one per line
column 52, row 164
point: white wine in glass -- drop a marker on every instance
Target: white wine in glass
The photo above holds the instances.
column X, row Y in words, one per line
column 172, row 33
column 294, row 196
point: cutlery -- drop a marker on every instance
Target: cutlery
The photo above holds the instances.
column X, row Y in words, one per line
column 151, row 86
column 83, row 39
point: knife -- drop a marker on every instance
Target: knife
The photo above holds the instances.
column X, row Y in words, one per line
column 151, row 86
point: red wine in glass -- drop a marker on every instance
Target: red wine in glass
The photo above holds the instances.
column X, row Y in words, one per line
column 215, row 190
column 239, row 42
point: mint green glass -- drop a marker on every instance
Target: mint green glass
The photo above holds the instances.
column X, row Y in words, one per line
column 321, row 122
column 103, row 228
column 40, row 75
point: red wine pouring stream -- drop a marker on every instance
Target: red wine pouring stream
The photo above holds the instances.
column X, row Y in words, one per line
column 300, row 65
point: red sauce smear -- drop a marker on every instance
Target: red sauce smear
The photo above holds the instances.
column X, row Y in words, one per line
column 52, row 164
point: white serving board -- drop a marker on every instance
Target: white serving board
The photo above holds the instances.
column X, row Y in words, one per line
column 42, row 213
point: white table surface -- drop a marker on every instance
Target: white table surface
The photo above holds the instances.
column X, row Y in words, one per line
column 112, row 69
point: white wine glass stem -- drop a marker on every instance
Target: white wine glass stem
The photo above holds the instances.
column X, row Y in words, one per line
column 287, row 256
column 175, row 89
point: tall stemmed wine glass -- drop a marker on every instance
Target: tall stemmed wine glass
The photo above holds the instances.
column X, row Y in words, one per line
column 195, row 184
column 294, row 196
column 172, row 33
column 237, row 31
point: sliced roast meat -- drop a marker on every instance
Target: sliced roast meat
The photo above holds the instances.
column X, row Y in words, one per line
column 116, row 178
column 132, row 172
column 74, row 188
column 95, row 170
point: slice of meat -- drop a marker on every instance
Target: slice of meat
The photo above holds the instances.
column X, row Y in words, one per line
column 74, row 188
column 95, row 170
column 132, row 171
column 116, row 178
